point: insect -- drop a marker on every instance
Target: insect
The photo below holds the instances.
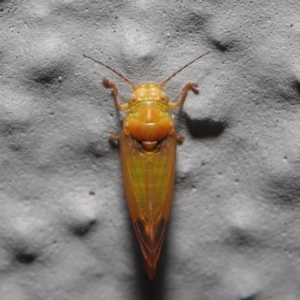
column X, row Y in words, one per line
column 148, row 149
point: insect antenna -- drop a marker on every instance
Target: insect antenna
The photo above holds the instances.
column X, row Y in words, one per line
column 174, row 74
column 108, row 67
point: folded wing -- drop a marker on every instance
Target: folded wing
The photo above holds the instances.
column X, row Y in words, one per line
column 149, row 184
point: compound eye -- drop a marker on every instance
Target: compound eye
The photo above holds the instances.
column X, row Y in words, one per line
column 131, row 99
column 164, row 97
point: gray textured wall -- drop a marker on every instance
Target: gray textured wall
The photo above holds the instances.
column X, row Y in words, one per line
column 235, row 225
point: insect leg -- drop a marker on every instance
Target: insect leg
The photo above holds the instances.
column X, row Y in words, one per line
column 115, row 91
column 179, row 139
column 186, row 88
column 114, row 138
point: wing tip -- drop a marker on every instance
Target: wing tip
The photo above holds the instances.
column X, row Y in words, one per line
column 151, row 239
column 151, row 270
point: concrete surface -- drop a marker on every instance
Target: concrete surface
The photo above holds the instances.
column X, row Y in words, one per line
column 235, row 225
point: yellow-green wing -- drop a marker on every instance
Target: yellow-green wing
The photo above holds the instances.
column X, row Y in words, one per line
column 149, row 183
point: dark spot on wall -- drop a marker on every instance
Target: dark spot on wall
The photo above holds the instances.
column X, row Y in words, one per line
column 95, row 149
column 84, row 228
column 239, row 237
column 49, row 73
column 24, row 257
column 222, row 46
column 296, row 86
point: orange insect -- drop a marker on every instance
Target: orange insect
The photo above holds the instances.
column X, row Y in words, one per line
column 148, row 150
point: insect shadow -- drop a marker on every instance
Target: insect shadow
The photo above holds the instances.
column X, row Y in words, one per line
column 204, row 128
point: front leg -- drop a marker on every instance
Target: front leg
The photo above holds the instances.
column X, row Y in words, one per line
column 115, row 91
column 186, row 88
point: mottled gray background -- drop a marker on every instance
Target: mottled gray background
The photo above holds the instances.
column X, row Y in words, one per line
column 235, row 225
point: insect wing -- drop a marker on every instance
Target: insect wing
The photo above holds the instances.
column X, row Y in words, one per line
column 149, row 184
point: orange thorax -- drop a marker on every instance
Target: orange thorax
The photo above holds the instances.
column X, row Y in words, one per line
column 148, row 119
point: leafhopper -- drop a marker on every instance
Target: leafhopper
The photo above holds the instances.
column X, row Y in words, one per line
column 148, row 151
